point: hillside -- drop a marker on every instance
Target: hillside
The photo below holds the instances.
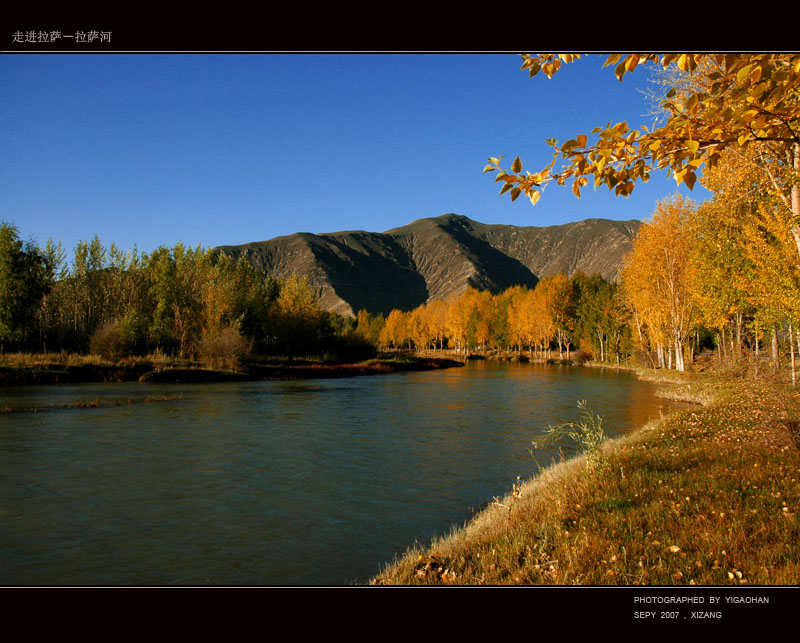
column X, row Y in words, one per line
column 437, row 257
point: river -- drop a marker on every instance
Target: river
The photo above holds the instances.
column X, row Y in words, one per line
column 315, row 482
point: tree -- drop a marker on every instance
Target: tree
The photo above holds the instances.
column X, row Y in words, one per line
column 594, row 311
column 369, row 326
column 25, row 274
column 657, row 276
column 394, row 330
column 735, row 101
column 561, row 301
column 300, row 320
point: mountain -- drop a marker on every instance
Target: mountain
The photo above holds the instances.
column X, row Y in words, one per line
column 437, row 257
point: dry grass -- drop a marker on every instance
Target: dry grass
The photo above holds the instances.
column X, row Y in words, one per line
column 49, row 360
column 705, row 496
column 64, row 359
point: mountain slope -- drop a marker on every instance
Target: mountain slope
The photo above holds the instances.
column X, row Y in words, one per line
column 438, row 257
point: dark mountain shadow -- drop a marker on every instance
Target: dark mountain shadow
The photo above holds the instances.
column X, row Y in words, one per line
column 370, row 272
column 496, row 271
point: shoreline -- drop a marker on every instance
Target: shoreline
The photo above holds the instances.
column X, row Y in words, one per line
column 148, row 372
column 691, row 498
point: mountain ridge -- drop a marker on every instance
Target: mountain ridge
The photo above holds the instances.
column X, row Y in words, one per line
column 436, row 257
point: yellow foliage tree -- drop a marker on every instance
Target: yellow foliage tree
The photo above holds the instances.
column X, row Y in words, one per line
column 734, row 101
column 656, row 278
column 394, row 330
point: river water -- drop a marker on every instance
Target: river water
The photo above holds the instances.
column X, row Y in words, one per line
column 315, row 482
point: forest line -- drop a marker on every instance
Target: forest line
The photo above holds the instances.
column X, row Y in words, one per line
column 723, row 274
column 697, row 277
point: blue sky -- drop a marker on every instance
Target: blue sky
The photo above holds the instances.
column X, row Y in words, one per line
column 228, row 148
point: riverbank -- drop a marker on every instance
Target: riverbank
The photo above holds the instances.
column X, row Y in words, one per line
column 71, row 369
column 706, row 496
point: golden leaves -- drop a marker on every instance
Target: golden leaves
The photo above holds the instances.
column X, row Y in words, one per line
column 548, row 64
column 740, row 98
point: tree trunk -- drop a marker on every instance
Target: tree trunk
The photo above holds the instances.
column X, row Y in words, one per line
column 798, row 341
column 739, row 331
column 755, row 372
column 791, row 351
column 679, row 364
column 796, row 198
column 775, row 357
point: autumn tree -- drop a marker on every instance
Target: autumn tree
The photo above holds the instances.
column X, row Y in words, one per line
column 561, row 302
column 527, row 311
column 394, row 330
column 656, row 277
column 481, row 303
column 457, row 321
column 722, row 272
column 437, row 318
column 300, row 322
column 369, row 326
column 419, row 328
column 736, row 101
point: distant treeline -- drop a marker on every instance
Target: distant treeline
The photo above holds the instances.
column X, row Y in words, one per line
column 723, row 274
column 181, row 301
column 559, row 314
column 195, row 303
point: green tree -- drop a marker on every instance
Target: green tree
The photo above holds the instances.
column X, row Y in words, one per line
column 593, row 311
column 25, row 275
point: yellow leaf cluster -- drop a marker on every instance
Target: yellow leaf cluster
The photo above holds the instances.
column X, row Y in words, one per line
column 737, row 100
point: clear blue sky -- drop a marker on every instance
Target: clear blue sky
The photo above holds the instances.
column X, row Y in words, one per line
column 227, row 149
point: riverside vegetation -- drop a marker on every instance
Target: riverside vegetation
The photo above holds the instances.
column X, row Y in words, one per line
column 702, row 496
column 706, row 496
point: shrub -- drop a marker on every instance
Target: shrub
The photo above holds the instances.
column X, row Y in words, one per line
column 588, row 435
column 582, row 356
column 226, row 348
column 349, row 347
column 108, row 342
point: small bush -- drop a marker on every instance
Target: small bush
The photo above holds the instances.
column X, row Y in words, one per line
column 588, row 435
column 349, row 347
column 227, row 348
column 108, row 342
column 582, row 356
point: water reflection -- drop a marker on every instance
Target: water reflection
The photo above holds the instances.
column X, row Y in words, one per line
column 315, row 482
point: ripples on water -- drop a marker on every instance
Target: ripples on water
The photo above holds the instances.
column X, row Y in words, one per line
column 273, row 483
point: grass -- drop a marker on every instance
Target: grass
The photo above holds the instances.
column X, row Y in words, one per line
column 65, row 359
column 49, row 360
column 707, row 496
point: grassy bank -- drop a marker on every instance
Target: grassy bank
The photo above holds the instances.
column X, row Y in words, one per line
column 67, row 368
column 703, row 496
